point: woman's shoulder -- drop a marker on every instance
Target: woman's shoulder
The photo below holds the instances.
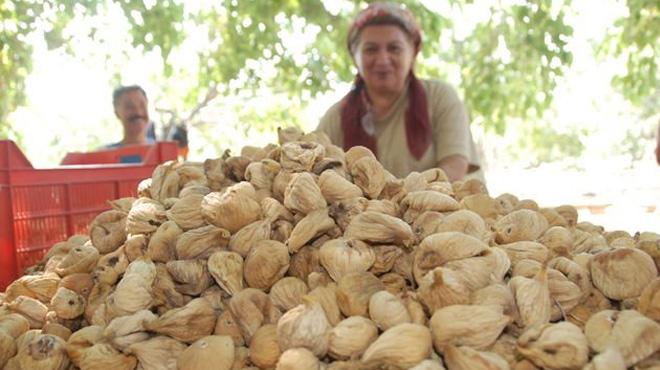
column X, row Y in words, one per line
column 330, row 124
column 332, row 116
column 439, row 89
column 334, row 111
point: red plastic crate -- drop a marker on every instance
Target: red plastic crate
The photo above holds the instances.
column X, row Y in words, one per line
column 40, row 207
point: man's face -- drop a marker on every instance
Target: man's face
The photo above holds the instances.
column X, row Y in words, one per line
column 133, row 113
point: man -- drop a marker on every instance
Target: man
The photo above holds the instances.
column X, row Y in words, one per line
column 131, row 108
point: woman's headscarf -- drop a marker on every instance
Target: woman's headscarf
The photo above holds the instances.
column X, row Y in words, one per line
column 356, row 120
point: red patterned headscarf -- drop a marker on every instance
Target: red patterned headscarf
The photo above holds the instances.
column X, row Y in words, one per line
column 355, row 105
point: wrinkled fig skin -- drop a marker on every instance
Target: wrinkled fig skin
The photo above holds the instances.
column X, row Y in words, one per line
column 303, row 256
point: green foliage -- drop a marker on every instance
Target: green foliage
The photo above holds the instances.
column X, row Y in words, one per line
column 251, row 30
column 511, row 63
column 4, row 132
column 248, row 39
column 15, row 52
column 21, row 20
column 541, row 143
column 506, row 67
column 156, row 25
column 256, row 120
column 635, row 142
column 637, row 39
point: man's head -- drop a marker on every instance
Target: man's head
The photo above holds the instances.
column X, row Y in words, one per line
column 130, row 103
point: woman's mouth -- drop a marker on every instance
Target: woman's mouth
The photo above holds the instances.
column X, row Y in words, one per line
column 382, row 74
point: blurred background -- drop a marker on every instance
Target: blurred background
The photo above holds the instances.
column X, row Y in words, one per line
column 563, row 95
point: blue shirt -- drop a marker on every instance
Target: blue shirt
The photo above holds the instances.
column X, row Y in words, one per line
column 150, row 141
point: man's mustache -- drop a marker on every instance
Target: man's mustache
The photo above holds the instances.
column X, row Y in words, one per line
column 137, row 117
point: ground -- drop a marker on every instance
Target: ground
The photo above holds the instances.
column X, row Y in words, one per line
column 617, row 199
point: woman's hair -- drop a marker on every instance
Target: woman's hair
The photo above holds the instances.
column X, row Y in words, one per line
column 384, row 14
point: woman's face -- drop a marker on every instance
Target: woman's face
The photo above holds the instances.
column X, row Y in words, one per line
column 384, row 56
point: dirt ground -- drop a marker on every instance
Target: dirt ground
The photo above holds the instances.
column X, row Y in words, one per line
column 617, row 199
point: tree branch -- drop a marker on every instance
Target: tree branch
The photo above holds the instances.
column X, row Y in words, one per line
column 210, row 95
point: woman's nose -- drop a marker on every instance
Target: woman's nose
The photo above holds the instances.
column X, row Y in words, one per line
column 383, row 57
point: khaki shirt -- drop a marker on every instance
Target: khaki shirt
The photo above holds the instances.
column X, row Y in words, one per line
column 451, row 132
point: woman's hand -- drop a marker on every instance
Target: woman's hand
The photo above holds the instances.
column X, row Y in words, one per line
column 455, row 166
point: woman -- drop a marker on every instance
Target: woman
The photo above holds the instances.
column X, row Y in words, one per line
column 410, row 124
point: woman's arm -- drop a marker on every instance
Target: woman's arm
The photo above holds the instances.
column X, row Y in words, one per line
column 330, row 124
column 451, row 133
column 455, row 166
